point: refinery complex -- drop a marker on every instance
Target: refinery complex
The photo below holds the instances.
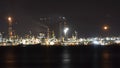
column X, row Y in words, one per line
column 49, row 38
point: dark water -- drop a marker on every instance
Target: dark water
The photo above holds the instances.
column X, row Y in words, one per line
column 60, row 57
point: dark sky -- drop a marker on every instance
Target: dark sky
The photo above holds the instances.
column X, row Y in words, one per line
column 87, row 17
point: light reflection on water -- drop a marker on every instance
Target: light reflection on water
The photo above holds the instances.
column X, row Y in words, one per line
column 106, row 63
column 58, row 57
column 95, row 58
column 10, row 59
column 66, row 59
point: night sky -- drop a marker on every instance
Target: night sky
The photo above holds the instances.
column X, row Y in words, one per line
column 86, row 17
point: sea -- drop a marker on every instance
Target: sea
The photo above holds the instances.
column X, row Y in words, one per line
column 79, row 56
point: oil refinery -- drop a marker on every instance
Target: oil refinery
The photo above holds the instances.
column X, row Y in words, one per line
column 49, row 38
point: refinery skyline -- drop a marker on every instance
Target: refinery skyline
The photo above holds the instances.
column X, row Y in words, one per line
column 45, row 23
column 49, row 37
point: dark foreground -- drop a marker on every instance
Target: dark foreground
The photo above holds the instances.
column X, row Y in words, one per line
column 60, row 57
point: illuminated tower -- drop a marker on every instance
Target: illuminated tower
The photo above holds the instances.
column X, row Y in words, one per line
column 65, row 31
column 62, row 22
column 44, row 22
column 10, row 32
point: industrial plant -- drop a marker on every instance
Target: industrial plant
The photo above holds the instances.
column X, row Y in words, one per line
column 49, row 38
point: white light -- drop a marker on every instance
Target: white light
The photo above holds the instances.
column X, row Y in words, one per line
column 117, row 41
column 107, row 38
column 52, row 43
column 66, row 30
column 63, row 17
column 24, row 41
column 96, row 42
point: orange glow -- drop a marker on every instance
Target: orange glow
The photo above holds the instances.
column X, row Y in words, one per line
column 9, row 18
column 105, row 27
